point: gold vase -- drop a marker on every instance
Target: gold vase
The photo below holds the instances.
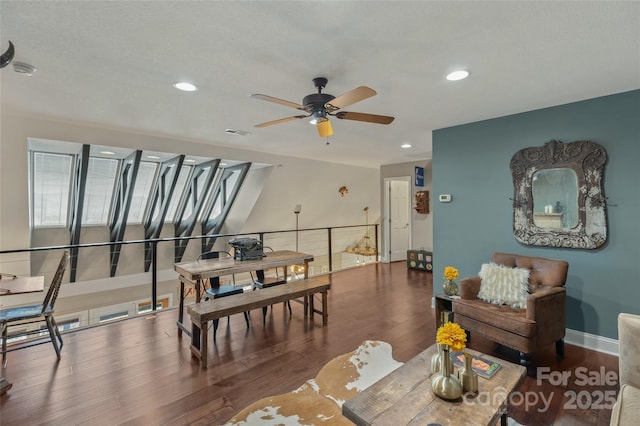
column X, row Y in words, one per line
column 468, row 377
column 436, row 360
column 450, row 288
column 445, row 384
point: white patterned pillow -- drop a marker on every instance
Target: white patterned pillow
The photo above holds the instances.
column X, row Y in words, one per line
column 502, row 285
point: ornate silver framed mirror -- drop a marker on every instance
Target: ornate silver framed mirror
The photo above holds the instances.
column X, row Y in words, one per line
column 559, row 196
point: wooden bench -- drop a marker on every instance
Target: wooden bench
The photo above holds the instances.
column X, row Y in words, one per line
column 203, row 312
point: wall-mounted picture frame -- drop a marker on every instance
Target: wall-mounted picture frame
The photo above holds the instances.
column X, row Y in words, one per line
column 419, row 181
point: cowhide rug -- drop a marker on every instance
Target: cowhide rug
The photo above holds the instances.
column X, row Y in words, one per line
column 319, row 401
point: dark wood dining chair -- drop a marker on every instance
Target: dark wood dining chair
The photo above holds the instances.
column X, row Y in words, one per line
column 260, row 281
column 216, row 290
column 35, row 313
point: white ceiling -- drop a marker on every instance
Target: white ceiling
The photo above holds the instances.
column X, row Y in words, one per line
column 113, row 63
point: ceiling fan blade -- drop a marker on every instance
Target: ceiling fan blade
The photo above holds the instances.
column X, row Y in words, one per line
column 281, row 120
column 369, row 118
column 356, row 95
column 278, row 101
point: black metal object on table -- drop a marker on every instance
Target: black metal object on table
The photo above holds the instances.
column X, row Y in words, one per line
column 247, row 248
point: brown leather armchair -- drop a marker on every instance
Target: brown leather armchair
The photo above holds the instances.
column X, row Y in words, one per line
column 526, row 330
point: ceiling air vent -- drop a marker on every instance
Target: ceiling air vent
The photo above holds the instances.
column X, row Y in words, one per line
column 236, row 132
column 24, row 68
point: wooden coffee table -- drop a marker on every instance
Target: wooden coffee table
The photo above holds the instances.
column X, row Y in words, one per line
column 405, row 397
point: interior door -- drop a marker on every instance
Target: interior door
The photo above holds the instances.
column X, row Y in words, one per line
column 398, row 217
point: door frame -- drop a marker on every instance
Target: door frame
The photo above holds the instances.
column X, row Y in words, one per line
column 386, row 217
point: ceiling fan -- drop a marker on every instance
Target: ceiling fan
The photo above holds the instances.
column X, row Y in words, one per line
column 319, row 106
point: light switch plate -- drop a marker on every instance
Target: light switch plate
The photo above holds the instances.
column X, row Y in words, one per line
column 444, row 198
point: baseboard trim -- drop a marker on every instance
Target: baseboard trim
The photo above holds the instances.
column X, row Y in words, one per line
column 591, row 341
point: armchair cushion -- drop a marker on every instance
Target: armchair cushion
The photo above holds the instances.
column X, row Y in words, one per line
column 499, row 316
column 626, row 409
column 629, row 344
column 502, row 285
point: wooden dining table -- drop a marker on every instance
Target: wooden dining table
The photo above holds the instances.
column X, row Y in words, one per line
column 11, row 285
column 194, row 274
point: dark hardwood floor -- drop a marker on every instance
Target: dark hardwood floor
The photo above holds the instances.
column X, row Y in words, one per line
column 139, row 372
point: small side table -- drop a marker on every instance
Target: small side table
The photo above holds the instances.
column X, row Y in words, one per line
column 444, row 304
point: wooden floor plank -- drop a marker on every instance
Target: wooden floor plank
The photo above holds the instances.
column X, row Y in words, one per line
column 139, row 372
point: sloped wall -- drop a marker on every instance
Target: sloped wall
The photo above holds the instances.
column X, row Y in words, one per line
column 269, row 206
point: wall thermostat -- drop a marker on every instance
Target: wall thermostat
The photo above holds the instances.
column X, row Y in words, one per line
column 444, row 198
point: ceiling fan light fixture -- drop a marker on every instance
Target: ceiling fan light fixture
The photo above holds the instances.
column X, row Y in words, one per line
column 318, row 116
column 324, row 128
column 457, row 75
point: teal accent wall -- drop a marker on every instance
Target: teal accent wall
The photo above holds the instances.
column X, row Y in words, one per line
column 471, row 162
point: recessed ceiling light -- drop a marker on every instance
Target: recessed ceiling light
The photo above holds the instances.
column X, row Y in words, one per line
column 189, row 160
column 153, row 157
column 405, row 145
column 223, row 164
column 107, row 152
column 457, row 75
column 187, row 87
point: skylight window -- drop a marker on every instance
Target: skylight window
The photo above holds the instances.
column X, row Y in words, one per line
column 229, row 183
column 61, row 190
column 50, row 188
column 101, row 177
column 141, row 190
column 185, row 171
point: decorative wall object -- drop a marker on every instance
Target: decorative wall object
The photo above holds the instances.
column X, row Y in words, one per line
column 422, row 202
column 559, row 196
column 364, row 247
column 343, row 191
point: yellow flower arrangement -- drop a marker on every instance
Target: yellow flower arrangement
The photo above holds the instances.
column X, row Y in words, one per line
column 453, row 335
column 450, row 273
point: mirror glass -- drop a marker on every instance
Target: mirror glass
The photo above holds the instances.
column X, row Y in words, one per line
column 558, row 195
column 555, row 198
